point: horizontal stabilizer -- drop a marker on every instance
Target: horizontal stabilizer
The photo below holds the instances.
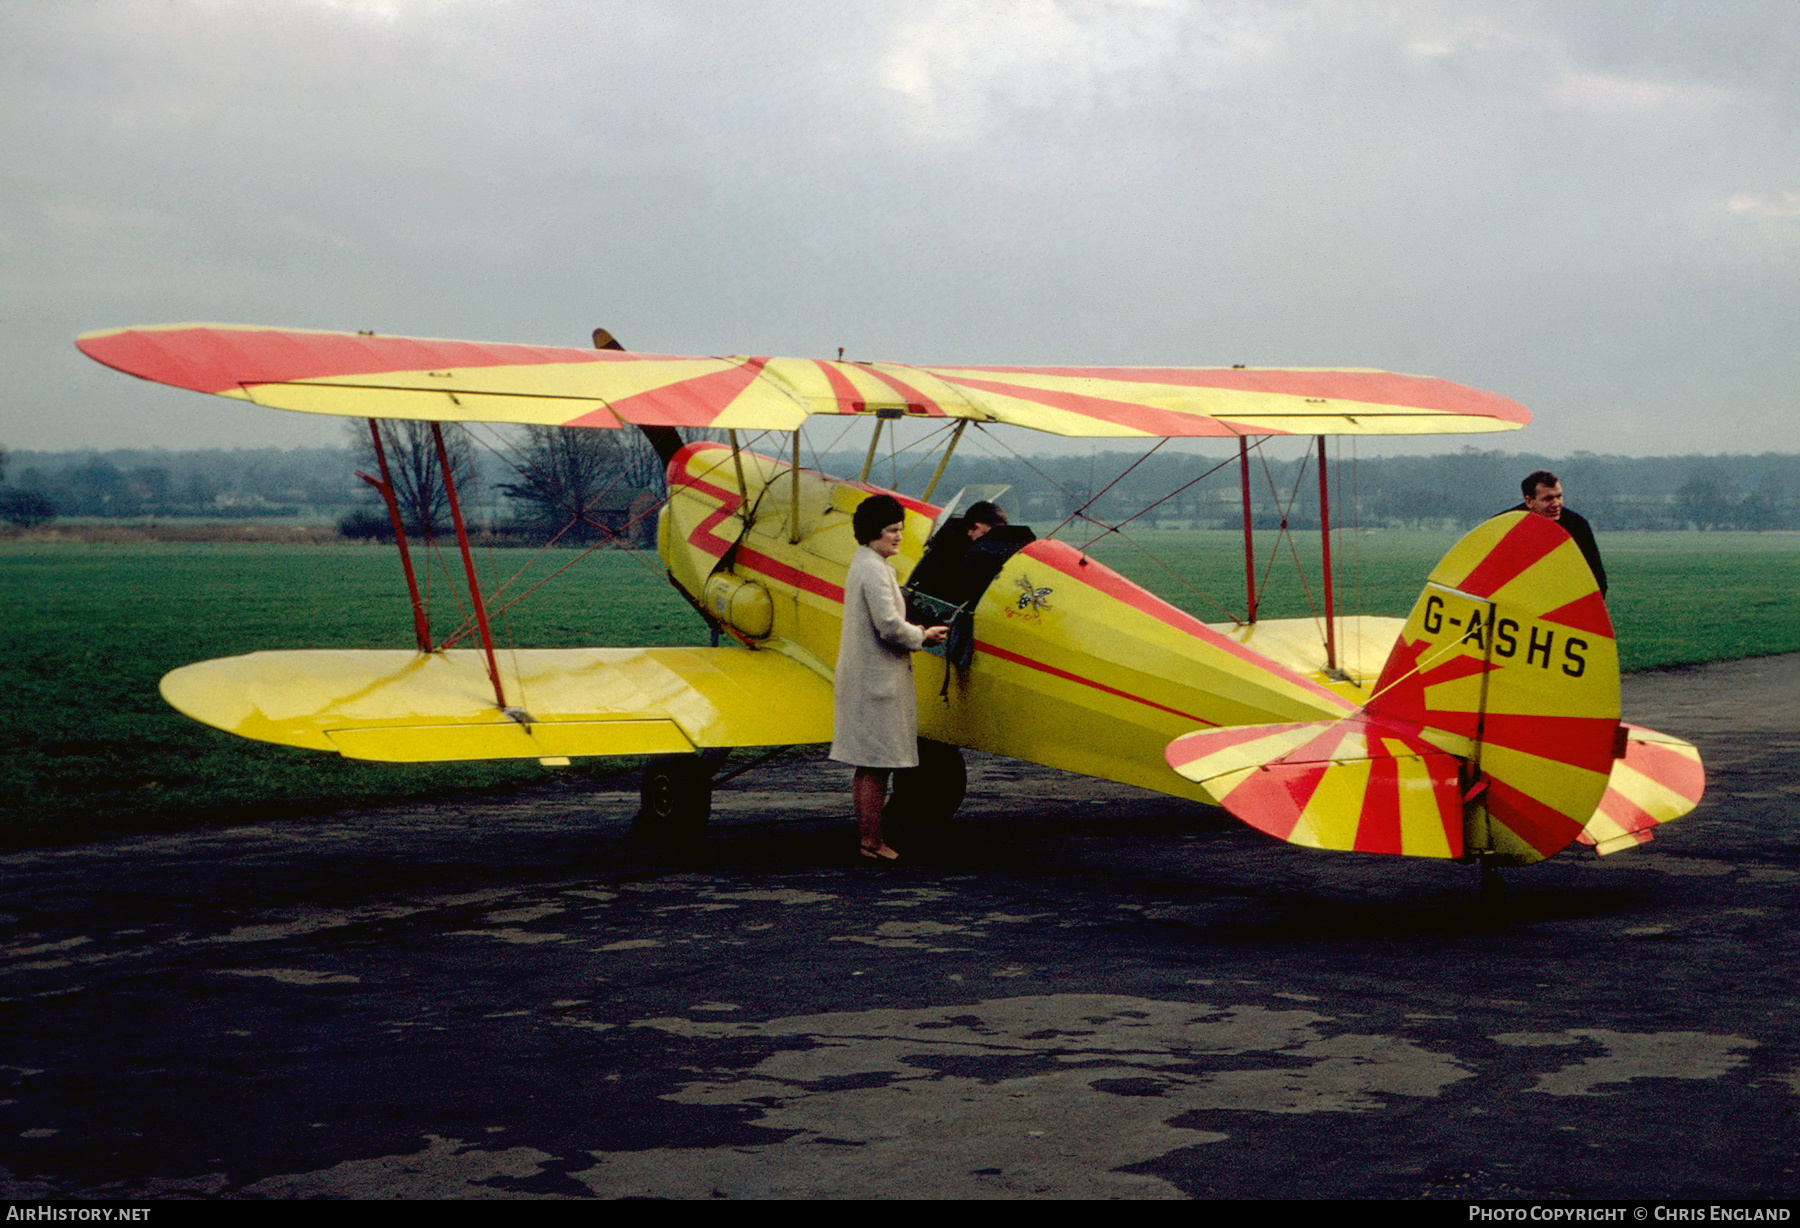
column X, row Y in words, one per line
column 1660, row 778
column 400, row 706
column 1363, row 643
column 1357, row 784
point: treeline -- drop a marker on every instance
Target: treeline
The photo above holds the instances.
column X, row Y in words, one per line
column 1618, row 492
column 573, row 483
column 530, row 484
column 1453, row 491
column 212, row 482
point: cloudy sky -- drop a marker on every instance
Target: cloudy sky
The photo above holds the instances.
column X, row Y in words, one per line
column 1591, row 207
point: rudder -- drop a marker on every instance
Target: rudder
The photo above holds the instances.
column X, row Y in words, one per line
column 1493, row 728
column 1509, row 662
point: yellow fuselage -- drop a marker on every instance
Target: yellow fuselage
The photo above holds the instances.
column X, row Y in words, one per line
column 1074, row 667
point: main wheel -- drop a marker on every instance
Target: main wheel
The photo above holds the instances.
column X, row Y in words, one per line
column 931, row 792
column 675, row 798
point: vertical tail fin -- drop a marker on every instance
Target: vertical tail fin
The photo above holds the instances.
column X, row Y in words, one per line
column 1508, row 662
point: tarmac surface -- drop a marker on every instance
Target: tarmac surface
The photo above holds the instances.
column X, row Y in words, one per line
column 1074, row 990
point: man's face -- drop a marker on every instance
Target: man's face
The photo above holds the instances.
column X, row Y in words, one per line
column 1546, row 501
column 977, row 530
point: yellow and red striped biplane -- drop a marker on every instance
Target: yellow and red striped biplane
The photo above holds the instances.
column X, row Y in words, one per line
column 1493, row 729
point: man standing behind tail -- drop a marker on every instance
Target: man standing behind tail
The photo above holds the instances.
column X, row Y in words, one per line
column 1544, row 495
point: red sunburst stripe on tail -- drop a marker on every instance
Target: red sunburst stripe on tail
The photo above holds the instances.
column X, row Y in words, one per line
column 1454, row 669
column 1400, row 695
column 1190, row 749
column 1378, row 826
column 1274, row 799
column 1582, row 741
column 1583, row 614
column 1523, row 546
column 1355, row 784
column 1406, row 665
column 1543, row 828
column 1654, row 783
column 1630, row 816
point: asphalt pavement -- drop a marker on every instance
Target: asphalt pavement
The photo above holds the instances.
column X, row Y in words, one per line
column 1074, row 990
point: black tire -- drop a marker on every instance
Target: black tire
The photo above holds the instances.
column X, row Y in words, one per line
column 675, row 798
column 932, row 792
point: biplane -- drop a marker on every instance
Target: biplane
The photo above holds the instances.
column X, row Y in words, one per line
column 1491, row 731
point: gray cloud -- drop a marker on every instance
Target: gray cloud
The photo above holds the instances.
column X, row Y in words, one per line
column 1594, row 209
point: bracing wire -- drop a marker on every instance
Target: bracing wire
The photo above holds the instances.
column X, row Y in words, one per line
column 1284, row 534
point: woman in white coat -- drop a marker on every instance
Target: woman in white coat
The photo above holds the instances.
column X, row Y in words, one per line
column 875, row 723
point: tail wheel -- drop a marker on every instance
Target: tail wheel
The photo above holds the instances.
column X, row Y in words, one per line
column 675, row 798
column 933, row 791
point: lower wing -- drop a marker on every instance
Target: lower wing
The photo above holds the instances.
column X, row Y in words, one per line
column 410, row 707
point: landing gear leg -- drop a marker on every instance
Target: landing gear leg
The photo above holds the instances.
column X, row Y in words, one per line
column 931, row 792
column 1493, row 887
column 676, row 798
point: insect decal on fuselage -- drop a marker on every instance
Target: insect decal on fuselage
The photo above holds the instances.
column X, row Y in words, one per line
column 1030, row 598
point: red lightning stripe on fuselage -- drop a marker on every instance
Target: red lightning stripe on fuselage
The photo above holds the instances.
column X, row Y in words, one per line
column 706, row 539
column 1019, row 659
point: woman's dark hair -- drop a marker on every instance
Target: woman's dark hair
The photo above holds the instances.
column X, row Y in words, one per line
column 873, row 515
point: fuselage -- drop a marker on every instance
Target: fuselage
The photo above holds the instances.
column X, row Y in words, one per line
column 1074, row 667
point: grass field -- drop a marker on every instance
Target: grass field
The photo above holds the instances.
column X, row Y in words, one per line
column 1675, row 598
column 93, row 748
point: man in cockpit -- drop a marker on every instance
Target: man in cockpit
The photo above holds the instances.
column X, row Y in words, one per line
column 937, row 573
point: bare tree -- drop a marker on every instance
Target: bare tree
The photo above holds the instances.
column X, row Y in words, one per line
column 580, row 482
column 417, row 476
column 641, row 467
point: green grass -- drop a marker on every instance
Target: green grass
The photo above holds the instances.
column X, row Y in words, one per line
column 93, row 748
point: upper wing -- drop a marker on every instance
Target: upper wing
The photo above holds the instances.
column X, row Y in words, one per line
column 404, row 706
column 361, row 375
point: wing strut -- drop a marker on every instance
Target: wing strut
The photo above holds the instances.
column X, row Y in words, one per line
column 794, row 516
column 874, row 442
column 385, row 485
column 737, row 461
column 949, row 450
column 1249, row 544
column 462, row 540
column 1325, row 563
